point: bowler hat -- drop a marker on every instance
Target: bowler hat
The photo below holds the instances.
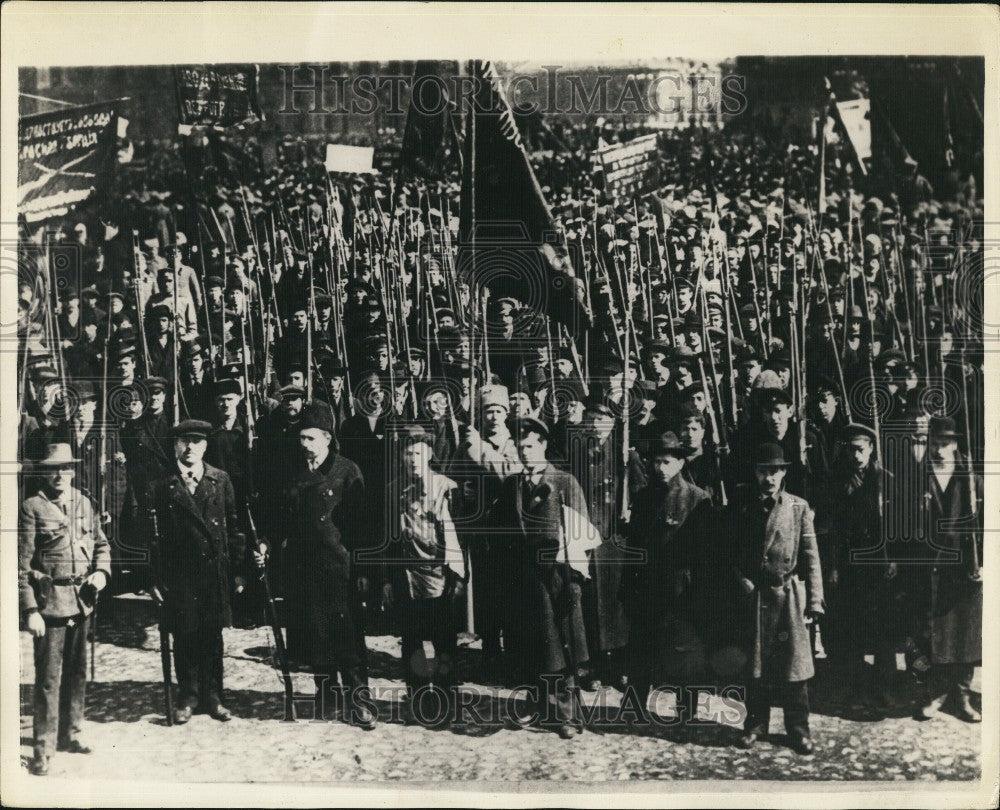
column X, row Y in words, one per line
column 770, row 454
column 943, row 427
column 854, row 430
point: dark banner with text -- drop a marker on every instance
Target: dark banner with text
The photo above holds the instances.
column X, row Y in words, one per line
column 65, row 158
column 217, row 95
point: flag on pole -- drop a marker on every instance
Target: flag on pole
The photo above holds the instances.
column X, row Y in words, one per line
column 507, row 234
column 430, row 125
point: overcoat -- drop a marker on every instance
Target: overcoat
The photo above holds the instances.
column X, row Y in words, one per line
column 544, row 614
column 326, row 522
column 197, row 546
column 956, row 616
column 777, row 552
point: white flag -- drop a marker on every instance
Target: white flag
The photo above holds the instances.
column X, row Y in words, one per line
column 580, row 537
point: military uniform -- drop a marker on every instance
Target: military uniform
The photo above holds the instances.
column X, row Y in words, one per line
column 60, row 543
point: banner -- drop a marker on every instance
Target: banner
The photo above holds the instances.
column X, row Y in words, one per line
column 217, row 95
column 65, row 158
column 356, row 159
column 856, row 117
column 429, row 120
column 508, row 238
column 630, row 168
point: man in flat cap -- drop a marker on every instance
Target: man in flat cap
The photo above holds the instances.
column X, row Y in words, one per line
column 63, row 562
column 425, row 573
column 193, row 523
column 325, row 521
column 545, row 620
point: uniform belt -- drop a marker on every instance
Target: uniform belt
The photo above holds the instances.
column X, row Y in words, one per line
column 78, row 580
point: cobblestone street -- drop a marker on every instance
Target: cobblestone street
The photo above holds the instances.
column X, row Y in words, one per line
column 125, row 727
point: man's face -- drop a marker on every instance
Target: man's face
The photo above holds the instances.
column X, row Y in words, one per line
column 769, row 480
column 195, row 363
column 748, row 372
column 417, row 459
column 684, row 296
column 531, row 450
column 565, row 366
column 163, row 325
column 226, row 403
column 693, row 340
column 300, row 319
column 135, row 408
column 86, row 410
column 784, row 375
column 860, row 452
column 683, row 377
column 324, row 311
column 601, row 425
column 520, row 404
column 381, row 358
column 167, row 283
column 827, row 405
column 296, row 378
column 215, row 295
column 117, row 305
column 60, row 478
column 436, row 405
column 943, row 450
column 494, row 417
column 90, row 332
column 777, row 417
column 315, row 443
column 188, row 450
column 157, row 399
column 291, row 405
column 665, row 467
column 692, row 433
column 336, row 385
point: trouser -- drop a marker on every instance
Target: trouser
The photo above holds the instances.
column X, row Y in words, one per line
column 557, row 701
column 198, row 664
column 950, row 679
column 792, row 696
column 429, row 620
column 60, row 682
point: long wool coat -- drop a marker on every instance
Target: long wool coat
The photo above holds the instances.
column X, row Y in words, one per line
column 197, row 547
column 779, row 556
column 544, row 614
column 956, row 620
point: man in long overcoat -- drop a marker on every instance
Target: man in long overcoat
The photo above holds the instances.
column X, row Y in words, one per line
column 193, row 526
column 954, row 513
column 776, row 569
column 666, row 576
column 545, row 621
column 326, row 517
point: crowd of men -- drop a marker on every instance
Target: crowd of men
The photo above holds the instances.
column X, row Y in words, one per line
column 770, row 435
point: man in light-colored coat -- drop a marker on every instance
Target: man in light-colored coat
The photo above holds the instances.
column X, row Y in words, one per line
column 776, row 569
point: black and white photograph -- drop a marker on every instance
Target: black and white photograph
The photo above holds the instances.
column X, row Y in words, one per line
column 570, row 423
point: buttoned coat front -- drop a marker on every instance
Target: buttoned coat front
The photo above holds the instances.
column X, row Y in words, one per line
column 780, row 557
column 62, row 546
column 197, row 545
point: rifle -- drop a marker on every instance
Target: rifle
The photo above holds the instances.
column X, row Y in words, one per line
column 168, row 701
column 272, row 618
column 272, row 613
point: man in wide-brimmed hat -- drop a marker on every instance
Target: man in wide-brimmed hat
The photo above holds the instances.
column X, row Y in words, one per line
column 665, row 576
column 956, row 578
column 64, row 560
